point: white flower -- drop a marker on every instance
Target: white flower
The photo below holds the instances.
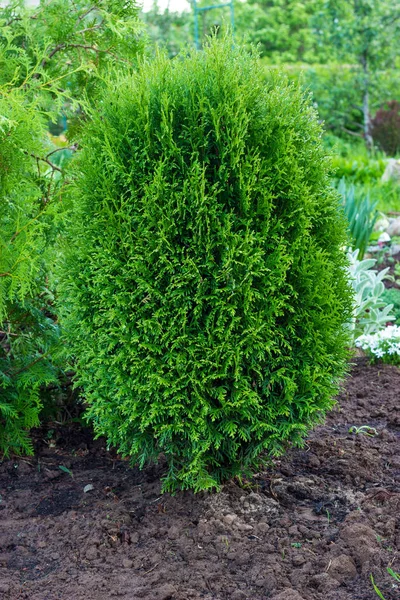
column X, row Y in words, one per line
column 382, row 343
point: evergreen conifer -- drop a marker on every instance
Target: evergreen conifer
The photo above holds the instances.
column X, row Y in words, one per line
column 205, row 293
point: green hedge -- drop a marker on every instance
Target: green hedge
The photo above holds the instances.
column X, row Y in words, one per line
column 204, row 291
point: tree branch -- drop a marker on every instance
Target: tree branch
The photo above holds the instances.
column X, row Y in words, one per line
column 85, row 14
column 98, row 51
column 98, row 26
column 46, row 160
column 354, row 133
column 53, row 52
column 12, row 20
column 74, row 147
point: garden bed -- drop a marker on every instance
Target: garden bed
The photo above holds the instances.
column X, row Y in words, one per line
column 390, row 261
column 315, row 526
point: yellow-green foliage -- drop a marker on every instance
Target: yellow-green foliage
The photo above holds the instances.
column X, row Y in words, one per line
column 204, row 293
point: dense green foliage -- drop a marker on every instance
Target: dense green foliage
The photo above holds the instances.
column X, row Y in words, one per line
column 337, row 93
column 284, row 30
column 204, row 290
column 392, row 296
column 170, row 30
column 25, row 332
column 367, row 32
column 356, row 165
column 66, row 42
column 364, row 30
column 348, row 51
column 50, row 58
column 353, row 163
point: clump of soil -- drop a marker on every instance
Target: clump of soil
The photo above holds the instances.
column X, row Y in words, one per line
column 313, row 526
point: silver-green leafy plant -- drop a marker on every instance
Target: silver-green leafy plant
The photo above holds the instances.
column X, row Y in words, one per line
column 371, row 313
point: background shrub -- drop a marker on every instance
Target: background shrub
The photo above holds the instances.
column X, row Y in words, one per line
column 337, row 93
column 26, row 332
column 386, row 127
column 204, row 290
column 52, row 58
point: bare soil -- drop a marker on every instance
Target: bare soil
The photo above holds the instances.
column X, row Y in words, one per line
column 313, row 526
column 390, row 261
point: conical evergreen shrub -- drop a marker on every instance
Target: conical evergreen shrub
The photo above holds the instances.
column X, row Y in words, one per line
column 204, row 290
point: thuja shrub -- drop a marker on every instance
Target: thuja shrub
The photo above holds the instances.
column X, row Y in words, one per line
column 204, row 290
column 53, row 59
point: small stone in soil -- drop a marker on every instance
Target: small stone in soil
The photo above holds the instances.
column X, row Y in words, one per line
column 166, row 592
column 127, row 564
column 92, row 553
column 244, row 527
column 228, row 519
column 288, row 594
column 239, row 595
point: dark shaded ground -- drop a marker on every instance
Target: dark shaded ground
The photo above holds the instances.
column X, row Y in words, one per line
column 387, row 260
column 313, row 527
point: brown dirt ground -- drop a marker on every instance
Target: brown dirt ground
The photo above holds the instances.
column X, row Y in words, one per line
column 314, row 526
column 391, row 262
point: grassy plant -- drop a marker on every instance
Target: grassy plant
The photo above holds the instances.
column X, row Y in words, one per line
column 393, row 574
column 376, row 589
column 66, row 470
column 396, row 576
column 361, row 214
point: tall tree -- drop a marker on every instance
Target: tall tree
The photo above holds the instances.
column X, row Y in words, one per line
column 283, row 29
column 366, row 32
column 169, row 29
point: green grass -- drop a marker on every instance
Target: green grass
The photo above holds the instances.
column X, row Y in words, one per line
column 352, row 162
column 396, row 577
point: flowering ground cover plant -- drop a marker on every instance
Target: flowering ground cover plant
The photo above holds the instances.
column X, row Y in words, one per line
column 384, row 344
